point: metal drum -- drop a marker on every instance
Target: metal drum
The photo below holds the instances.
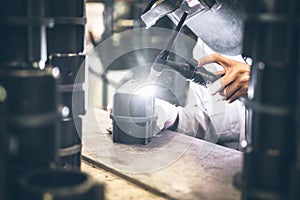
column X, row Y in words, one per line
column 71, row 95
column 31, row 122
column 31, row 115
column 65, row 44
column 269, row 39
column 60, row 185
column 70, row 144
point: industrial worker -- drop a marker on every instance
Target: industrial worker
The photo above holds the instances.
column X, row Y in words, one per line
column 215, row 113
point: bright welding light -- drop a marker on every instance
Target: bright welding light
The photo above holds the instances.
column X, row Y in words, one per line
column 146, row 91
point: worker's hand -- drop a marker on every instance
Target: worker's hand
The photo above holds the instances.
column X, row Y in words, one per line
column 167, row 113
column 235, row 78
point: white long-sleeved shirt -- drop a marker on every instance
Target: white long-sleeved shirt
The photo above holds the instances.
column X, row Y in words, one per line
column 208, row 116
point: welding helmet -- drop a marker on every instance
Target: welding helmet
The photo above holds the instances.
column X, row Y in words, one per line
column 218, row 23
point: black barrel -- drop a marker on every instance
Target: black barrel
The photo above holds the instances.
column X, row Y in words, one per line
column 269, row 39
column 23, row 32
column 60, row 185
column 65, row 47
column 31, row 115
column 70, row 143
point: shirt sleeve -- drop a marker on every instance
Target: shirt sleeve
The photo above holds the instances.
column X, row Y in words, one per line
column 211, row 118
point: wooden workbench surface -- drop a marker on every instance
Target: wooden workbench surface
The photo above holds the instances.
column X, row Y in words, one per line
column 172, row 165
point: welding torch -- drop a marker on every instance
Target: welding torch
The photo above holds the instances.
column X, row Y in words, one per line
column 189, row 70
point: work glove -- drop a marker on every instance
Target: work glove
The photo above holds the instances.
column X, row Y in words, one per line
column 167, row 113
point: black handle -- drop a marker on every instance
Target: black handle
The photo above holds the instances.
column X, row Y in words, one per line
column 201, row 75
column 191, row 71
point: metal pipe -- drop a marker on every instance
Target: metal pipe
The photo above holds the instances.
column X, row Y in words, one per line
column 269, row 39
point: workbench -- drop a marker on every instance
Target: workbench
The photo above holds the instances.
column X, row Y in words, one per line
column 172, row 165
